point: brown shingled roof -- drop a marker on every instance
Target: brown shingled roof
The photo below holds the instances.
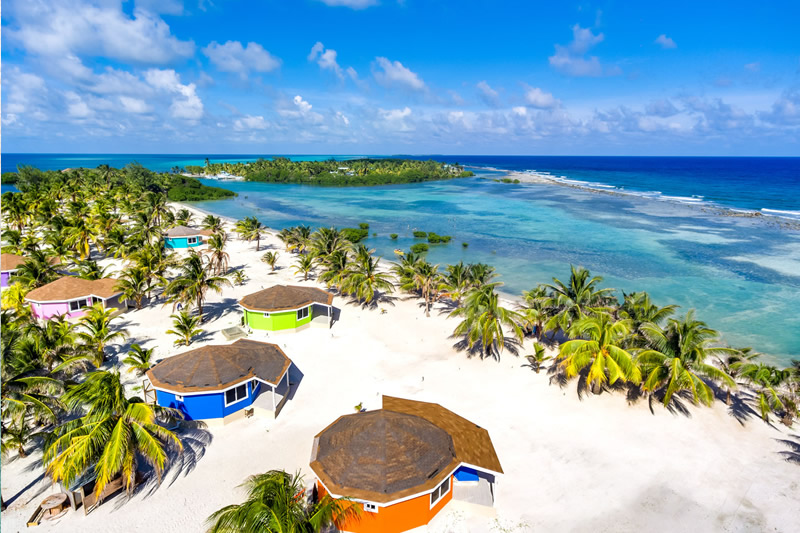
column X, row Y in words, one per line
column 285, row 297
column 213, row 368
column 406, row 448
column 71, row 288
column 185, row 231
column 10, row 261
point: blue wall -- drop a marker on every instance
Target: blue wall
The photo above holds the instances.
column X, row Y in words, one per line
column 181, row 242
column 205, row 406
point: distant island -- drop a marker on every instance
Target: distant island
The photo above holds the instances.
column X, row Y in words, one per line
column 178, row 188
column 333, row 172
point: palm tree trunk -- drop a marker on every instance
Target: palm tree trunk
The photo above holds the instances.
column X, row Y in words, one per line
column 200, row 307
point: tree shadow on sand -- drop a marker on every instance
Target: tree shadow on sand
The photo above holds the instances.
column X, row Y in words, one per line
column 511, row 344
column 792, row 454
column 195, row 439
column 380, row 298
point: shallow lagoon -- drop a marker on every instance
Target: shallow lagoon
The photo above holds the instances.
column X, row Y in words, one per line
column 742, row 275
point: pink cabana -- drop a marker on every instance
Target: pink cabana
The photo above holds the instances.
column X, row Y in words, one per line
column 69, row 296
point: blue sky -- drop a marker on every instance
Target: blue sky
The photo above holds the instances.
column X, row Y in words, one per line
column 411, row 76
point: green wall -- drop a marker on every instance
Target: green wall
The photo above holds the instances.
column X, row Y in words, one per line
column 276, row 321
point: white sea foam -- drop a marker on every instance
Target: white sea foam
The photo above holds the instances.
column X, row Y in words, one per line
column 794, row 215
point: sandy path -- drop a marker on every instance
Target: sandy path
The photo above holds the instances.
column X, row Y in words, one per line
column 595, row 464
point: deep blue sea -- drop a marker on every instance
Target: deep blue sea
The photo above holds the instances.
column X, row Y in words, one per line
column 742, row 274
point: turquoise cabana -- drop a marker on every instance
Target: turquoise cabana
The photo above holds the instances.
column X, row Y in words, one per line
column 181, row 237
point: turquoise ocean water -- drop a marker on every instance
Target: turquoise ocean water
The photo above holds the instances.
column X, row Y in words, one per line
column 741, row 274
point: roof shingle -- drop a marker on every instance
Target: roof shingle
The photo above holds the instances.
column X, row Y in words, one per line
column 217, row 367
column 285, row 297
column 71, row 288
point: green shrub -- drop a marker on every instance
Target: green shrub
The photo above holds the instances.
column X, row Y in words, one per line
column 8, row 178
column 363, row 225
column 393, row 236
column 465, row 245
column 434, row 238
column 355, row 235
column 374, row 234
column 420, row 234
column 419, row 248
column 446, row 238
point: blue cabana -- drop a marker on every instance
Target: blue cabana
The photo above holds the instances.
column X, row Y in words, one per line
column 219, row 383
column 185, row 237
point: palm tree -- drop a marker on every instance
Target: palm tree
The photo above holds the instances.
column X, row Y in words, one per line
column 404, row 270
column 139, row 359
column 480, row 274
column 537, row 358
column 90, row 269
column 677, row 360
column 193, row 283
column 426, row 279
column 326, row 241
column 155, row 261
column 185, row 327
column 113, row 434
column 134, row 284
column 639, row 309
column 275, row 502
column 484, row 319
column 251, row 229
column 26, row 394
column 304, row 265
column 51, row 342
column 270, row 258
column 13, row 298
column 535, row 310
column 15, row 437
column 768, row 382
column 95, row 332
column 600, row 349
column 213, row 223
column 364, row 280
column 456, row 282
column 219, row 258
column 238, row 277
column 577, row 299
column 79, row 236
column 37, row 270
column 183, row 217
column 335, row 269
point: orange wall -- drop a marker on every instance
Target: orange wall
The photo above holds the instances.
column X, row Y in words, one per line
column 394, row 518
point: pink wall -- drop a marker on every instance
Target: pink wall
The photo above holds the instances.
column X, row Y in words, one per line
column 51, row 309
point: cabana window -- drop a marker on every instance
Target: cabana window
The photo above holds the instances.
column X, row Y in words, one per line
column 370, row 507
column 235, row 394
column 302, row 313
column 191, row 240
column 440, row 491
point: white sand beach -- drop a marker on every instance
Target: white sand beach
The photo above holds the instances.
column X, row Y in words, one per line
column 571, row 464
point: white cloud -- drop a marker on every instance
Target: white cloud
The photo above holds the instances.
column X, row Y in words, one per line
column 661, row 108
column 395, row 114
column 753, row 67
column 233, row 57
column 326, row 59
column 665, row 42
column 76, row 107
column 352, row 4
column 393, row 73
column 535, row 97
column 341, row 116
column 785, row 111
column 21, row 90
column 301, row 104
column 186, row 104
column 134, row 105
column 250, row 122
column 571, row 59
column 94, row 29
column 520, row 111
column 489, row 96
